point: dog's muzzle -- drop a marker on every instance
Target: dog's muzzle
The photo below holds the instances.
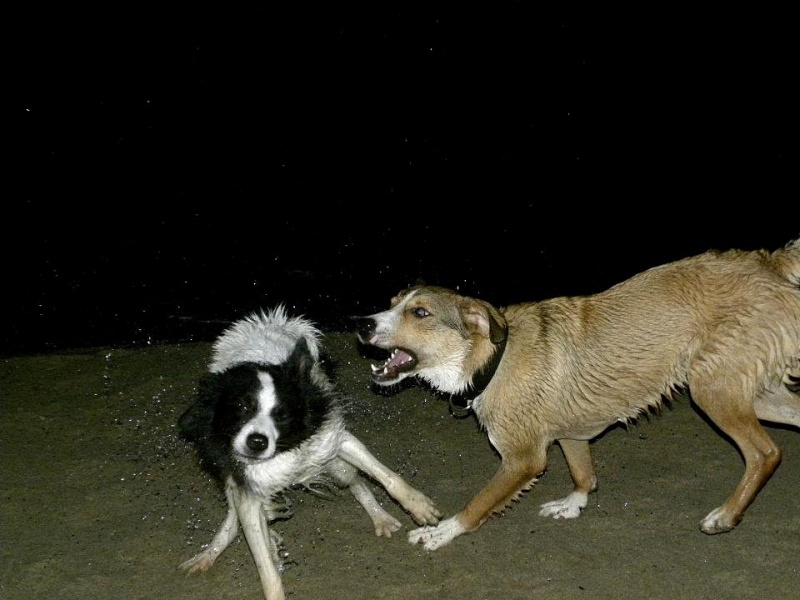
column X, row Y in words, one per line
column 365, row 328
column 256, row 447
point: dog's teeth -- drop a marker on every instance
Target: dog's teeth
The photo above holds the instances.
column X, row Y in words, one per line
column 375, row 368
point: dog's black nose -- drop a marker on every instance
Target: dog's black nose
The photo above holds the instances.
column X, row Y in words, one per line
column 257, row 442
column 365, row 327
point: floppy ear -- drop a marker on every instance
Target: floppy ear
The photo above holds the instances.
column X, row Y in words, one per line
column 484, row 318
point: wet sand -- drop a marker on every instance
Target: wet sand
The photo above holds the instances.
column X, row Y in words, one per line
column 102, row 500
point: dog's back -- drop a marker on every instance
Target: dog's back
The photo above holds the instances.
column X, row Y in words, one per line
column 621, row 351
column 786, row 262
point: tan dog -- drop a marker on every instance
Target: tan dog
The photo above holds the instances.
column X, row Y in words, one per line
column 723, row 325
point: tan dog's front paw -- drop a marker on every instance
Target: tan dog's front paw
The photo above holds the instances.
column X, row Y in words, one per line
column 432, row 538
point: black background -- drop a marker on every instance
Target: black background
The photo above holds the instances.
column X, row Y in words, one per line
column 173, row 169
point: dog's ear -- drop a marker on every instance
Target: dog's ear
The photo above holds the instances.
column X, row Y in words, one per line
column 305, row 367
column 301, row 360
column 481, row 316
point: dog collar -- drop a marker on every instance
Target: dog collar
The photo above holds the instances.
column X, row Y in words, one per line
column 479, row 383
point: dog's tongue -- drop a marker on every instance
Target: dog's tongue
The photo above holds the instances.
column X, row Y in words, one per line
column 399, row 359
column 398, row 362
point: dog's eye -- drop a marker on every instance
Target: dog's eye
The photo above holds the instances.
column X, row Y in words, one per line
column 421, row 312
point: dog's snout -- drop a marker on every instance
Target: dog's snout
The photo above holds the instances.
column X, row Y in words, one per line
column 257, row 442
column 365, row 327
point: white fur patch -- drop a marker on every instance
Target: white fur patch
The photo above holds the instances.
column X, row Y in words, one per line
column 442, row 534
column 301, row 465
column 262, row 422
column 263, row 337
column 566, row 508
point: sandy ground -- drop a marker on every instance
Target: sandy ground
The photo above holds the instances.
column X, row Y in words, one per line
column 101, row 499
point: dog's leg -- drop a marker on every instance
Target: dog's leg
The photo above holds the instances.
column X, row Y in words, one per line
column 346, row 475
column 415, row 502
column 761, row 455
column 515, row 475
column 579, row 461
column 225, row 534
column 256, row 531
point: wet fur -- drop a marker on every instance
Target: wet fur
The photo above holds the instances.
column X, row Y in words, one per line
column 723, row 325
column 267, row 418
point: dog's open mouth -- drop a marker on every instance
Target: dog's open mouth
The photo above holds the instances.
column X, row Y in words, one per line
column 400, row 361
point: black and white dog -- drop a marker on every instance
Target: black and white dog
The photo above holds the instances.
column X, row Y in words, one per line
column 266, row 418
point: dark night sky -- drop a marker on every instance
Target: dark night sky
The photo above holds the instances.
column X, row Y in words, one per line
column 175, row 169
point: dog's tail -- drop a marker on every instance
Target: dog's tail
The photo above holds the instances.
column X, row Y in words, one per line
column 787, row 261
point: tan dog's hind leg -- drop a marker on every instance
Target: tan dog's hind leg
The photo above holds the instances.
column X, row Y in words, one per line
column 514, row 476
column 581, row 468
column 737, row 419
column 256, row 531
